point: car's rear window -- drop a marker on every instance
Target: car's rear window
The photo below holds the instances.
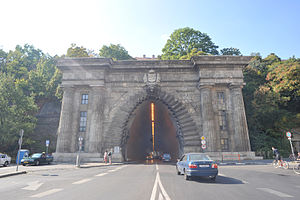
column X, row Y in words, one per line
column 199, row 157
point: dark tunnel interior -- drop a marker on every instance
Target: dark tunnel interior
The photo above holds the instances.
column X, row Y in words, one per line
column 139, row 143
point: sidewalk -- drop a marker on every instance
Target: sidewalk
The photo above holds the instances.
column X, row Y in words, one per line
column 246, row 162
column 11, row 170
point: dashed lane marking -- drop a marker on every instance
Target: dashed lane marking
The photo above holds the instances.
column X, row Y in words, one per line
column 102, row 174
column 33, row 185
column 39, row 195
column 277, row 193
column 220, row 174
column 156, row 167
column 82, row 181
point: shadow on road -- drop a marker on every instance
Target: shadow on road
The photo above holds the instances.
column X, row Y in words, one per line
column 219, row 180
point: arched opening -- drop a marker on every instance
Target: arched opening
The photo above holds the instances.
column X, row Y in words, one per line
column 140, row 143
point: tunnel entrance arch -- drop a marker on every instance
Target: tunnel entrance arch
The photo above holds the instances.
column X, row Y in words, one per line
column 169, row 125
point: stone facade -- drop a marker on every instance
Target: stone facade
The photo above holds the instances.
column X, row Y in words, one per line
column 203, row 96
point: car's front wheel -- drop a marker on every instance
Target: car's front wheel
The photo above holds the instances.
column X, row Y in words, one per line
column 5, row 164
column 37, row 163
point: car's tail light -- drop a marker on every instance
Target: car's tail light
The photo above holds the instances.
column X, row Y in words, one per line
column 192, row 166
column 214, row 166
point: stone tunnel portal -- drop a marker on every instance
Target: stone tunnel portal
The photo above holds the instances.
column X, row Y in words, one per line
column 139, row 143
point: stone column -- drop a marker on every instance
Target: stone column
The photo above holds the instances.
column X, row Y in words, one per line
column 96, row 114
column 64, row 138
column 75, row 121
column 240, row 128
column 207, row 115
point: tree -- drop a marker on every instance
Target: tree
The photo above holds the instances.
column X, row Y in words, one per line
column 284, row 79
column 17, row 111
column 75, row 51
column 231, row 51
column 183, row 41
column 23, row 59
column 194, row 52
column 116, row 52
column 3, row 56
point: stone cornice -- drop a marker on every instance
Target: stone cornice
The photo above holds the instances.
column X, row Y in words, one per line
column 221, row 60
column 201, row 61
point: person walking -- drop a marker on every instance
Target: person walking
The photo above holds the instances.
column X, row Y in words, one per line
column 110, row 157
column 105, row 156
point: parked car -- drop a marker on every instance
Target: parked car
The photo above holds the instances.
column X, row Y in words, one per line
column 197, row 165
column 166, row 157
column 37, row 159
column 4, row 159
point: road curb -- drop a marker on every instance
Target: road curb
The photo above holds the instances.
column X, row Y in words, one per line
column 12, row 174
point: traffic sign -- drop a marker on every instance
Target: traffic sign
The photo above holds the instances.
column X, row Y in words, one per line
column 288, row 134
column 202, row 138
column 47, row 142
column 203, row 142
column 203, row 146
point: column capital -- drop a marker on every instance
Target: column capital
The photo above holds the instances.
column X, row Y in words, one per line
column 67, row 87
column 236, row 85
column 97, row 87
column 205, row 85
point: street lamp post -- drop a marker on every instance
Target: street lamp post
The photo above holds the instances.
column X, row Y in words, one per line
column 80, row 139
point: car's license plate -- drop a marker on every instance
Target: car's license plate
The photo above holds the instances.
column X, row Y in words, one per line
column 25, row 162
column 203, row 165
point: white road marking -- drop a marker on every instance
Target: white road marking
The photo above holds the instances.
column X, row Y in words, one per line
column 160, row 197
column 158, row 182
column 220, row 174
column 112, row 170
column 33, row 185
column 102, row 174
column 47, row 193
column 298, row 186
column 82, row 181
column 245, row 182
column 277, row 193
column 154, row 189
column 121, row 167
column 156, row 167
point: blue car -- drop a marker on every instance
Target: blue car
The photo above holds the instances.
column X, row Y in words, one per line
column 197, row 165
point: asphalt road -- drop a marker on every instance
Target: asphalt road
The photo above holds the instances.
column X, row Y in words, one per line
column 149, row 182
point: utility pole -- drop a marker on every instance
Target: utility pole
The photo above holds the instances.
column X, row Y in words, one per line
column 20, row 145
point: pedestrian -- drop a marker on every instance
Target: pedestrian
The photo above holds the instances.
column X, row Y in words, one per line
column 276, row 154
column 109, row 157
column 105, row 157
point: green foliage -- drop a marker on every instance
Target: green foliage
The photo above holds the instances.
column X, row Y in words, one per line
column 284, row 78
column 269, row 83
column 23, row 59
column 75, row 51
column 183, row 41
column 28, row 78
column 17, row 112
column 116, row 52
column 194, row 52
column 231, row 51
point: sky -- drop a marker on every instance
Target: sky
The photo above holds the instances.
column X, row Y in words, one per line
column 142, row 27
